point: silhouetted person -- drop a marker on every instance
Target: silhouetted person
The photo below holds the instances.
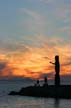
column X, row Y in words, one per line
column 57, row 70
column 37, row 83
column 57, row 65
column 45, row 82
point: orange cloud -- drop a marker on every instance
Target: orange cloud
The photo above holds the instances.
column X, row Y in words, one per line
column 33, row 62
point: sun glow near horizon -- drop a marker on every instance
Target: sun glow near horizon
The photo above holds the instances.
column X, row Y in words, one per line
column 34, row 62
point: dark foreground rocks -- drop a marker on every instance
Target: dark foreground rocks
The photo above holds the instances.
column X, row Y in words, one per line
column 51, row 91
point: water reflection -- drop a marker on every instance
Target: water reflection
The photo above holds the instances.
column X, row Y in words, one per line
column 33, row 102
column 56, row 103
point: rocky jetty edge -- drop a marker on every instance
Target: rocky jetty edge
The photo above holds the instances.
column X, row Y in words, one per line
column 51, row 91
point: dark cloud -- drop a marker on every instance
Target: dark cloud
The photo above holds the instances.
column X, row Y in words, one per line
column 5, row 70
column 66, row 64
column 3, row 65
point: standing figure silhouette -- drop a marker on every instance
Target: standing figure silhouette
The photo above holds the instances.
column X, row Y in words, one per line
column 37, row 83
column 57, row 70
column 45, row 82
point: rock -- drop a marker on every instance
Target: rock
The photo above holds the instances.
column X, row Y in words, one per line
column 63, row 91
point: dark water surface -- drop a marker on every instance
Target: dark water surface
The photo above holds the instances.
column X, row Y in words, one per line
column 25, row 101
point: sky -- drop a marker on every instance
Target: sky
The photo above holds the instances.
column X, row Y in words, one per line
column 32, row 32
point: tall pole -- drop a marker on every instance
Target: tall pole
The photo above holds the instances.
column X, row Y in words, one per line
column 57, row 71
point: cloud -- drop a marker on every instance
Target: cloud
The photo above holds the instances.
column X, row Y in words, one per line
column 2, row 66
column 47, row 1
column 32, row 60
column 68, row 63
column 66, row 29
column 62, row 11
column 30, row 12
column 12, row 46
column 44, row 1
column 33, row 22
column 5, row 70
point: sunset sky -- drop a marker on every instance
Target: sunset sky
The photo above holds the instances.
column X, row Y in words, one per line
column 32, row 32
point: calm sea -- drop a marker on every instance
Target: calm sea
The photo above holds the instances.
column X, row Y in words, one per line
column 25, row 101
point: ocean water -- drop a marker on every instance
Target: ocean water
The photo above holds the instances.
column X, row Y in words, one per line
column 7, row 101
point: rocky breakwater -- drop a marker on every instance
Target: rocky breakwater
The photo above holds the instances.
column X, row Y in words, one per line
column 51, row 91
